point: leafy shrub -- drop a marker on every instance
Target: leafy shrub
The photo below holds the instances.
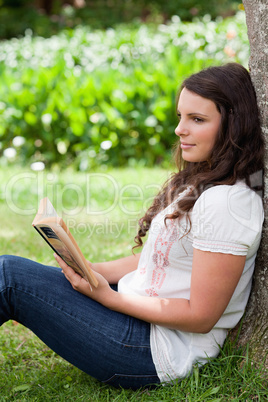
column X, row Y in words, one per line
column 18, row 15
column 105, row 97
column 187, row 9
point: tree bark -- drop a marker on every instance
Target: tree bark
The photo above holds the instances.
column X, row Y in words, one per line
column 254, row 330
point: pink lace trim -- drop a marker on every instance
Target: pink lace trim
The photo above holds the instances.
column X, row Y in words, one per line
column 165, row 239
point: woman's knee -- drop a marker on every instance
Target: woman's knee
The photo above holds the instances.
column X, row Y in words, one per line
column 12, row 265
column 7, row 261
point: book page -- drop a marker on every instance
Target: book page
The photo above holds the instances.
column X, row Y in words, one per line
column 58, row 246
column 55, row 232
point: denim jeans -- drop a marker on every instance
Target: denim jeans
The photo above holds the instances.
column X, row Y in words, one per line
column 110, row 346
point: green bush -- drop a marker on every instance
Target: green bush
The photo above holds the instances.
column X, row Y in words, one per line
column 105, row 97
column 187, row 9
column 18, row 15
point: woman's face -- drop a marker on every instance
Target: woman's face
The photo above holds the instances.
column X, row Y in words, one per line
column 199, row 122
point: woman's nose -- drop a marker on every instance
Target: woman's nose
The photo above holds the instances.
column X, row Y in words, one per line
column 177, row 130
column 181, row 129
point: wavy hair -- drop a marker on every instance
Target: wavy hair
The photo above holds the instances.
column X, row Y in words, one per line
column 238, row 152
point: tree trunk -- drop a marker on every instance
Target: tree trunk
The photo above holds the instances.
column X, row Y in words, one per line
column 255, row 324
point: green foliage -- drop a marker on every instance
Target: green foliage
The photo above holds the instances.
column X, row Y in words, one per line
column 105, row 97
column 14, row 22
column 18, row 15
column 187, row 9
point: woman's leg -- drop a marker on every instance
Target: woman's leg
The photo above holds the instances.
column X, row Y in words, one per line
column 110, row 346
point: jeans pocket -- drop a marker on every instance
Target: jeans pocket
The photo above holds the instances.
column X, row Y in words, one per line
column 132, row 381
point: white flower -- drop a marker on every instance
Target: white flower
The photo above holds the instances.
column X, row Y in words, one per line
column 18, row 141
column 106, row 144
column 46, row 118
column 10, row 153
column 37, row 166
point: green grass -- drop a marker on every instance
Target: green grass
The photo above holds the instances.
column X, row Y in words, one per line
column 29, row 371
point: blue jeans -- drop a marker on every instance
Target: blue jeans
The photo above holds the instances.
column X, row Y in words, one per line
column 112, row 347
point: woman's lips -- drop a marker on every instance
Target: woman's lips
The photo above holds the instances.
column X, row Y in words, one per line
column 186, row 146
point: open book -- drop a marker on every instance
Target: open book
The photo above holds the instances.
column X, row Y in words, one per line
column 55, row 232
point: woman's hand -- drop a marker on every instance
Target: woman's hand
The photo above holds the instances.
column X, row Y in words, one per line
column 214, row 279
column 100, row 294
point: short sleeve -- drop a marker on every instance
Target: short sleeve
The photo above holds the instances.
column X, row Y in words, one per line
column 228, row 219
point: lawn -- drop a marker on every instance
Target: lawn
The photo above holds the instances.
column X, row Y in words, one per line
column 102, row 210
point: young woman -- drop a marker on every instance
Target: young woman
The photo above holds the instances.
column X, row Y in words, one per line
column 156, row 314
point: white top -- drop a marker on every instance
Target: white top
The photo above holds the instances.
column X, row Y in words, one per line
column 225, row 219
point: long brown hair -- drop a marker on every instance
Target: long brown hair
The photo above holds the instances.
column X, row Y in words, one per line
column 238, row 152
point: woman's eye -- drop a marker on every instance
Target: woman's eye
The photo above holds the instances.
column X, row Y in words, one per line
column 198, row 120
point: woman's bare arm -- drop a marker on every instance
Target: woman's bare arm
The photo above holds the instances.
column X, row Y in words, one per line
column 214, row 279
column 112, row 271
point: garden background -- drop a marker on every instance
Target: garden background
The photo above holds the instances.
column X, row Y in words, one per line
column 95, row 97
column 87, row 118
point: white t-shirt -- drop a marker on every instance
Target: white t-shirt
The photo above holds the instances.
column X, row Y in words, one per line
column 225, row 219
